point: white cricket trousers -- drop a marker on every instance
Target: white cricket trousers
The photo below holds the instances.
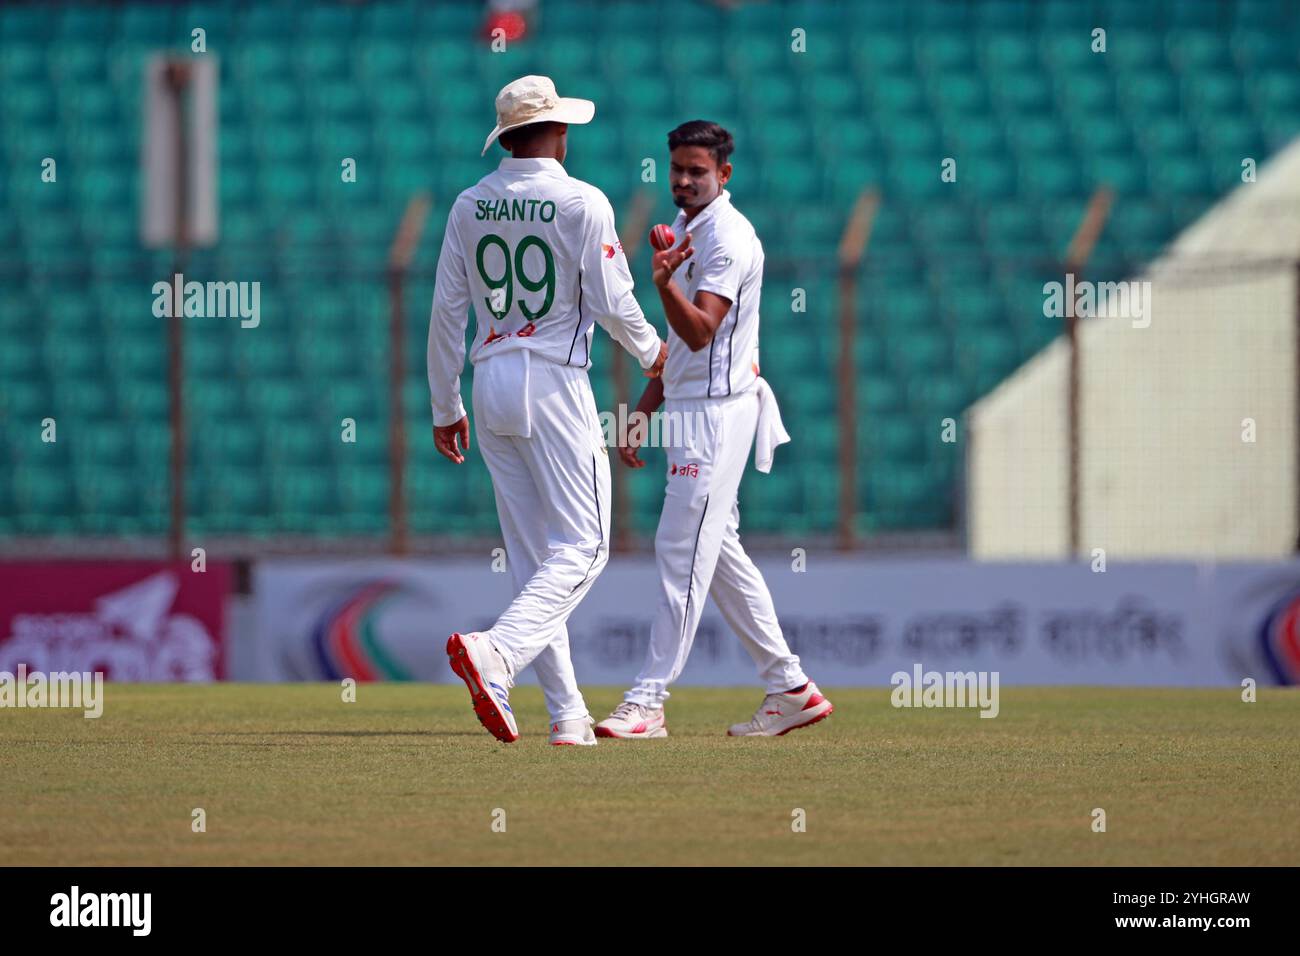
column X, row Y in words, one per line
column 536, row 427
column 698, row 551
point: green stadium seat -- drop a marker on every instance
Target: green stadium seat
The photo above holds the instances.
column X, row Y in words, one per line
column 1140, row 223
column 1231, row 136
column 684, row 50
column 897, row 439
column 1261, row 49
column 321, row 57
column 1086, row 94
column 1012, row 229
column 1068, row 51
column 911, row 135
column 895, row 498
column 1168, row 136
column 1195, row 51
column 914, row 177
column 1181, row 176
column 72, row 355
column 1049, row 177
column 301, row 445
column 853, row 174
column 1136, row 49
column 43, row 493
column 27, row 400
column 1214, row 94
column 633, row 52
column 1009, row 51
column 109, row 498
column 881, row 54
column 1121, row 172
column 364, row 498
column 234, row 497
column 304, row 499
column 938, row 397
column 214, row 400
column 383, row 60
column 892, row 95
column 21, row 359
column 832, row 94
column 920, row 353
column 1022, row 95
column 959, row 95
column 880, row 396
column 986, row 353
column 144, row 24
column 975, row 134
column 1103, row 134
column 83, row 401
column 939, row 52
column 228, row 441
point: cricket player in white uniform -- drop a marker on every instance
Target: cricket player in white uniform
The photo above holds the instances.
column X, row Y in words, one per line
column 535, row 252
column 711, row 375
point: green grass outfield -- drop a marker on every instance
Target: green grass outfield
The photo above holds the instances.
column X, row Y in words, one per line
column 291, row 774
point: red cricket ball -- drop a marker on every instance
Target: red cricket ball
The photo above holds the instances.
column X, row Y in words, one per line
column 661, row 237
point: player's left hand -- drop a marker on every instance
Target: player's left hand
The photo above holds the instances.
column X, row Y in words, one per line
column 446, row 436
column 664, row 264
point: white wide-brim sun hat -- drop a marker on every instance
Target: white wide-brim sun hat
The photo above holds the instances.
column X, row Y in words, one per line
column 532, row 99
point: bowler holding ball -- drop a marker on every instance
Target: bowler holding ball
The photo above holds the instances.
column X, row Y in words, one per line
column 711, row 377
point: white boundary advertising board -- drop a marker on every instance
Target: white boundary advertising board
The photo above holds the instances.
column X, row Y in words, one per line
column 854, row 622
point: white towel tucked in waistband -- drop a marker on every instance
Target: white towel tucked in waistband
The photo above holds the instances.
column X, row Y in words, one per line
column 502, row 396
column 771, row 431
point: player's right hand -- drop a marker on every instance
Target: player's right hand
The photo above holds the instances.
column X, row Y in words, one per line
column 654, row 371
column 446, row 436
column 664, row 264
column 629, row 455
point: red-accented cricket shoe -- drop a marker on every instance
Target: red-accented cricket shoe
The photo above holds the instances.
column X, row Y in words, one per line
column 633, row 722
column 476, row 661
column 781, row 713
column 573, row 733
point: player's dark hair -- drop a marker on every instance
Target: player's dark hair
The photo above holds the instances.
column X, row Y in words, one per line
column 521, row 136
column 703, row 133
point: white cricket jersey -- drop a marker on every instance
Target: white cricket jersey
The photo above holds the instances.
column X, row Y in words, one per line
column 535, row 252
column 728, row 261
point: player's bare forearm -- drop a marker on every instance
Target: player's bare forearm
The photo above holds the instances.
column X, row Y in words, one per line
column 693, row 325
column 652, row 397
column 690, row 323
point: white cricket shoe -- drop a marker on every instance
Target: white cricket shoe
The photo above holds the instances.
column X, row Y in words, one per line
column 476, row 661
column 573, row 733
column 632, row 722
column 781, row 713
